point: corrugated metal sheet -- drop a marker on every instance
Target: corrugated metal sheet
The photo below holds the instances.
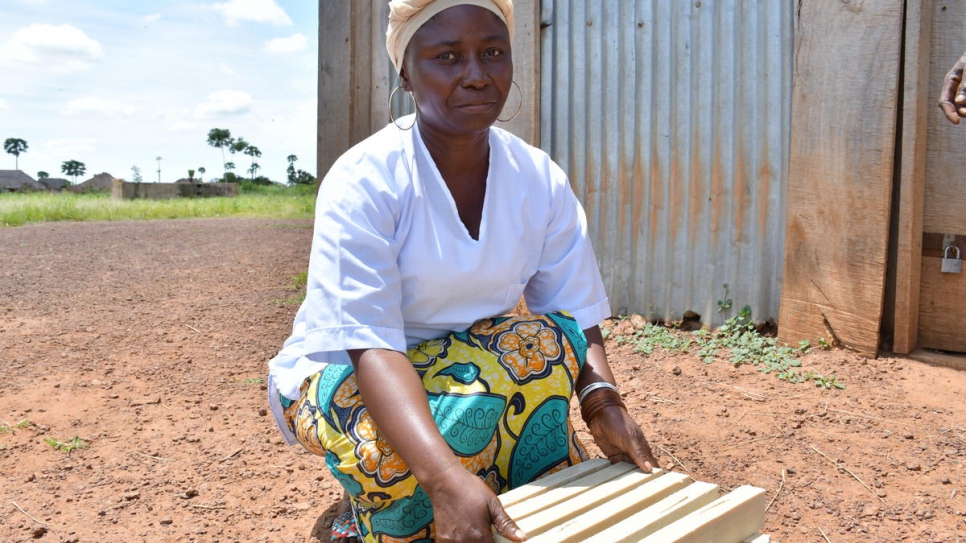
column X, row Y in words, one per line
column 672, row 119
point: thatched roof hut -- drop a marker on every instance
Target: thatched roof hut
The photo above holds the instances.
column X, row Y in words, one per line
column 56, row 184
column 101, row 182
column 18, row 181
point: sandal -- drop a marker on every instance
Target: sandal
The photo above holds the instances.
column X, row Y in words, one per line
column 344, row 528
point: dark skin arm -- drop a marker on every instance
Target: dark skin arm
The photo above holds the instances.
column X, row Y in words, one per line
column 615, row 432
column 952, row 98
column 463, row 506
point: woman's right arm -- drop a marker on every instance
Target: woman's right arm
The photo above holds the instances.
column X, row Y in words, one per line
column 463, row 506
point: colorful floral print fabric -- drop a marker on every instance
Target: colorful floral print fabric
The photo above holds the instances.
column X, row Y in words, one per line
column 500, row 394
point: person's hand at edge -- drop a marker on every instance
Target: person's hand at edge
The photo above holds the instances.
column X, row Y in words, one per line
column 952, row 99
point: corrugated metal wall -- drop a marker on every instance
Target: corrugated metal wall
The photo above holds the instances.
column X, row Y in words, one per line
column 672, row 119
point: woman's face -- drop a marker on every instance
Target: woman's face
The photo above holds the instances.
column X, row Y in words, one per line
column 459, row 67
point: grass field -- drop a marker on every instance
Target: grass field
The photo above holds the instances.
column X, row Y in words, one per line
column 17, row 209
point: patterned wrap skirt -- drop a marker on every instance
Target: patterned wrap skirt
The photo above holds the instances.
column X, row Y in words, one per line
column 500, row 394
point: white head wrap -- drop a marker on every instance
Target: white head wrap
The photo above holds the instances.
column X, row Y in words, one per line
column 406, row 16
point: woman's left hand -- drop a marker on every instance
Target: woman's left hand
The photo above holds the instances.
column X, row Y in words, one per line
column 621, row 439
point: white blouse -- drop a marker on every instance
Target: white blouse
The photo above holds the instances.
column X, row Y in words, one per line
column 393, row 265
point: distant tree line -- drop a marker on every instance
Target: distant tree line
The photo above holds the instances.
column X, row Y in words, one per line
column 220, row 138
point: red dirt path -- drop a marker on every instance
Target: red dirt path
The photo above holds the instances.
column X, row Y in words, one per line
column 148, row 341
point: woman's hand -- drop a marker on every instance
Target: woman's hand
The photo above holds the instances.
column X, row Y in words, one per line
column 952, row 99
column 464, row 509
column 621, row 439
column 614, row 431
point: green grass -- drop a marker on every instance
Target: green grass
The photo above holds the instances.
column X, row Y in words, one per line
column 66, row 446
column 12, row 428
column 17, row 209
column 299, row 282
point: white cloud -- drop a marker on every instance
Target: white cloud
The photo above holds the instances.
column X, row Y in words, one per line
column 291, row 44
column 3, row 104
column 256, row 11
column 225, row 69
column 61, row 48
column 223, row 102
column 99, row 107
column 151, row 18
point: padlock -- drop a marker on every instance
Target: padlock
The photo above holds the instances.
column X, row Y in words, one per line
column 952, row 265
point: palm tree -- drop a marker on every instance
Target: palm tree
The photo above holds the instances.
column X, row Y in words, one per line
column 73, row 168
column 42, row 175
column 238, row 146
column 291, row 168
column 220, row 138
column 253, row 152
column 201, row 172
column 15, row 146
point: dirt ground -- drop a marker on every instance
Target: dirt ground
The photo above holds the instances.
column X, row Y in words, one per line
column 148, row 341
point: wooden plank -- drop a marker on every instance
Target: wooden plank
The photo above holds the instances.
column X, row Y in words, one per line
column 552, row 481
column 567, row 491
column 758, row 538
column 576, row 529
column 667, row 511
column 526, row 72
column 840, row 171
column 731, row 518
column 917, row 103
column 332, row 129
column 615, row 489
column 941, row 306
column 956, row 362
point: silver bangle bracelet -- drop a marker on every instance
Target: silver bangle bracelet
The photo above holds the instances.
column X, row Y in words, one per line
column 592, row 387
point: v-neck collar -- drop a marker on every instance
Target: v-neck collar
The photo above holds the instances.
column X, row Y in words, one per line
column 451, row 215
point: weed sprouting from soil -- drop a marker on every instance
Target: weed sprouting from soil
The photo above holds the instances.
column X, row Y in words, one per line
column 737, row 341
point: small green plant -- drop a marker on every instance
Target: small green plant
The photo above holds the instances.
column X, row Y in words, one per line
column 824, row 381
column 300, row 279
column 736, row 340
column 824, row 344
column 299, row 282
column 724, row 304
column 66, row 446
column 652, row 337
column 9, row 429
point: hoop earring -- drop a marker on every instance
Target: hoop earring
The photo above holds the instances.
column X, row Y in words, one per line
column 393, row 119
column 519, row 105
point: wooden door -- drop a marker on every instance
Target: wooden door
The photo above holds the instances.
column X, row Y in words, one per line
column 942, row 296
column 931, row 305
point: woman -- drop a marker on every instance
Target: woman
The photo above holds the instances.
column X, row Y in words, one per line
column 423, row 405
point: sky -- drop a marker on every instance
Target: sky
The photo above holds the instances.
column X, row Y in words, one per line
column 118, row 83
